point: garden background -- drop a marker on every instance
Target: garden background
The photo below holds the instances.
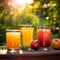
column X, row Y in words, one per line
column 40, row 12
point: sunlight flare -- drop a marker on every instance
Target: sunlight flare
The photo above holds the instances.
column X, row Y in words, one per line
column 22, row 2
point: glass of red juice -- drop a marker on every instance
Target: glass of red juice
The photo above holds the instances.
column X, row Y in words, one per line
column 43, row 36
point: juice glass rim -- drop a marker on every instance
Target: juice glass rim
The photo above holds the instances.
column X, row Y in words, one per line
column 26, row 25
column 43, row 27
column 12, row 30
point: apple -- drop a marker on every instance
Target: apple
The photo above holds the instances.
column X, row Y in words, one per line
column 56, row 43
column 35, row 45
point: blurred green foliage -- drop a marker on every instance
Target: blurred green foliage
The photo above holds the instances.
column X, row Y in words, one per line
column 51, row 10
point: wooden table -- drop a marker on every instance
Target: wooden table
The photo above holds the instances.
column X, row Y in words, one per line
column 30, row 55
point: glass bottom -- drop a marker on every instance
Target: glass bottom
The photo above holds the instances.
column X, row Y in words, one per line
column 13, row 51
column 45, row 48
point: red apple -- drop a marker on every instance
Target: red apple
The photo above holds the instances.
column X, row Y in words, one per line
column 35, row 45
column 56, row 43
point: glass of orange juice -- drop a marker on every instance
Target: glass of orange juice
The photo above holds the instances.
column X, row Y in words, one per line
column 27, row 35
column 13, row 40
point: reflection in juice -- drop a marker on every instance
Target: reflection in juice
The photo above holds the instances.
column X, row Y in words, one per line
column 27, row 36
column 13, row 40
column 43, row 36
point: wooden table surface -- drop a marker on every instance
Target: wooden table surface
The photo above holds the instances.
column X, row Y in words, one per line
column 30, row 55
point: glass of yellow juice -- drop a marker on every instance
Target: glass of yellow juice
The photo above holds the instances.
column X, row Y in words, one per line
column 13, row 40
column 27, row 35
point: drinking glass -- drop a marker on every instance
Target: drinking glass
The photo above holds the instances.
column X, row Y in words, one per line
column 27, row 35
column 13, row 40
column 43, row 36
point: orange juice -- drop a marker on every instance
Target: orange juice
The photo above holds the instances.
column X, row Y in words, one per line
column 27, row 36
column 13, row 39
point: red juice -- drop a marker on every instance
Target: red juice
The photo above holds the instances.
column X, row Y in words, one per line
column 43, row 36
column 40, row 38
column 46, row 41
